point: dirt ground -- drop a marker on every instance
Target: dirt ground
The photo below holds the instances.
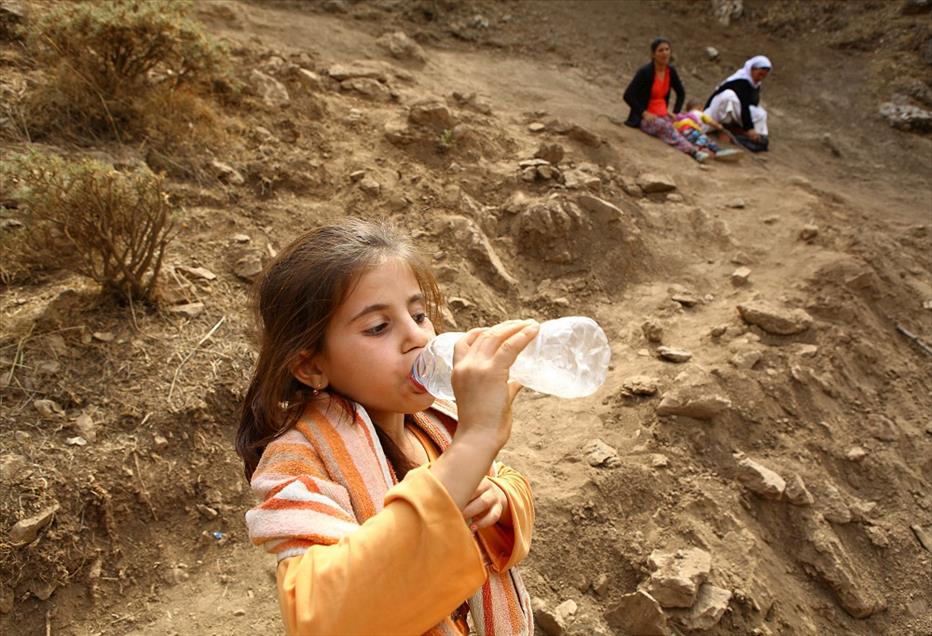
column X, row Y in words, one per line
column 835, row 221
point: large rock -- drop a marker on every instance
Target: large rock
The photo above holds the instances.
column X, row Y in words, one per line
column 273, row 92
column 708, row 610
column 697, row 401
column 431, row 113
column 775, row 320
column 600, row 208
column 678, row 575
column 760, row 479
column 367, row 87
column 652, row 183
column 638, row 613
column 26, row 530
column 401, row 47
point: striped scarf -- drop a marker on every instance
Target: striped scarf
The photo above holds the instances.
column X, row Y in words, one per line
column 346, row 476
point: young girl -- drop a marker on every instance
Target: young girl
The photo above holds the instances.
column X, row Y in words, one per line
column 385, row 508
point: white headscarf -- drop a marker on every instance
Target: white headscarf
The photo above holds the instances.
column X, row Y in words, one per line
column 758, row 61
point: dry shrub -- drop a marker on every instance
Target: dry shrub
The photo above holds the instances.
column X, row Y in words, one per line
column 86, row 217
column 108, row 60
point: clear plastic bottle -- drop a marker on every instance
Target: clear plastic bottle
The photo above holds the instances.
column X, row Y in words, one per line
column 568, row 358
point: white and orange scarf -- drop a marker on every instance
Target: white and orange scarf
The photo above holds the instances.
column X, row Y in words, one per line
column 347, row 478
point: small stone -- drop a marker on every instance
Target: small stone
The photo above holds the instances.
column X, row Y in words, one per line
column 76, row 441
column 206, row 511
column 922, row 536
column 159, row 440
column 856, row 453
column 566, row 610
column 370, row 186
column 640, row 385
column 103, row 336
column 49, row 409
column 672, row 354
column 273, row 93
column 678, row 575
column 644, row 353
column 309, row 79
column 239, row 612
column 204, row 273
column 84, row 424
column 367, row 87
column 658, row 460
column 402, row 47
column 536, row 127
column 675, row 197
column 685, row 299
column 601, row 585
column 637, row 613
column 746, row 360
column 227, row 173
column 775, row 320
column 710, row 606
column 740, row 258
column 357, row 175
column 796, row 491
column 711, row 53
column 652, row 330
column 770, row 220
column 832, row 504
column 190, row 310
column 737, row 204
column 548, row 621
column 718, row 331
column 249, row 266
column 599, row 207
column 760, row 479
column 740, row 276
column 26, row 530
column 652, row 183
column 601, row 455
column 550, row 152
column 808, row 232
column 697, row 402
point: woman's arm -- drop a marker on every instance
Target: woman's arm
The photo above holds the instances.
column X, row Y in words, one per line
column 637, row 94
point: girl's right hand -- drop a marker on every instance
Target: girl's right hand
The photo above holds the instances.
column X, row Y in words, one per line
column 481, row 362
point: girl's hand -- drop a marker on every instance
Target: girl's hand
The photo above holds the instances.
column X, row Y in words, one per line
column 484, row 394
column 488, row 505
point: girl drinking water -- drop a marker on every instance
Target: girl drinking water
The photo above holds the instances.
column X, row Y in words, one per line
column 385, row 508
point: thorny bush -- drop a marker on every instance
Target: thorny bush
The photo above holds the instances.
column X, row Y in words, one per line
column 109, row 57
column 87, row 217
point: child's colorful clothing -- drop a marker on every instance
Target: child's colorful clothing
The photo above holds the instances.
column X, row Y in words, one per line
column 699, row 139
column 690, row 125
column 362, row 554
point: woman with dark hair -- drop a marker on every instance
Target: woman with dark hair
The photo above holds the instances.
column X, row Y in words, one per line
column 648, row 95
column 735, row 103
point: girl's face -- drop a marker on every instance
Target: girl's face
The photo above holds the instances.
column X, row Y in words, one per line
column 758, row 74
column 373, row 340
column 662, row 53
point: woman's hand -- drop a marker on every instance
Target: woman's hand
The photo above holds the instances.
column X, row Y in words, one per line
column 753, row 135
column 648, row 116
column 481, row 361
column 488, row 505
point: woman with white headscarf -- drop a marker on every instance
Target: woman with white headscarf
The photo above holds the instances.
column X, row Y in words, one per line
column 735, row 103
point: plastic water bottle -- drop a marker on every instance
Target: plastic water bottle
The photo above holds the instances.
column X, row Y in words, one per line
column 568, row 358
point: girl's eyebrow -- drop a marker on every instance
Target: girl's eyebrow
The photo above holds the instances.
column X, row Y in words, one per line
column 383, row 306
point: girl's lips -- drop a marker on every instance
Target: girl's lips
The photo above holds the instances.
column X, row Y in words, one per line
column 418, row 387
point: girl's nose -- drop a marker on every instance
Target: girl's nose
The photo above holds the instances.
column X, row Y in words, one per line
column 417, row 335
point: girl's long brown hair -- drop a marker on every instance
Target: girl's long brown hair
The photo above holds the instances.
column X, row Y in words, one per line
column 295, row 298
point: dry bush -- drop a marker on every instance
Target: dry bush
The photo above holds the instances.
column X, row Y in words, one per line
column 109, row 60
column 84, row 216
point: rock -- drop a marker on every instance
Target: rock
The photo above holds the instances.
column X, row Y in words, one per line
column 775, row 320
column 85, row 425
column 76, row 441
column 696, row 401
column 675, row 197
column 856, row 454
column 549, row 622
column 685, row 299
column 651, row 183
column 922, row 536
column 711, row 53
column 808, row 232
column 599, row 454
column 652, row 330
column 309, row 79
column 49, row 409
column 638, row 613
column 398, row 132
column 631, row 188
column 575, row 179
column 273, row 93
column 718, row 331
column 551, row 152
column 226, row 173
column 431, row 113
column 678, row 575
column 201, row 272
column 401, row 47
column 829, row 143
column 207, row 511
column 832, row 504
column 727, row 10
column 882, row 428
column 370, row 186
column 159, row 440
column 825, row 558
column 746, row 360
column 760, row 479
column 103, row 336
column 906, row 117
column 11, row 465
column 189, row 310
column 367, row 87
column 357, row 175
column 343, row 72
column 671, row 354
column 640, row 385
column 469, row 235
column 26, row 530
column 536, row 127
column 600, row 208
column 473, row 101
column 711, row 604
column 249, row 266
column 740, row 258
column 740, row 276
column 566, row 610
column 796, row 491
column 583, row 136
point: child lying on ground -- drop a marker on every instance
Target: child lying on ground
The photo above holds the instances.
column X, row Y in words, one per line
column 693, row 124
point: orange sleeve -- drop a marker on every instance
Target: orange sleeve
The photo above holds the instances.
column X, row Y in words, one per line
column 509, row 541
column 402, row 572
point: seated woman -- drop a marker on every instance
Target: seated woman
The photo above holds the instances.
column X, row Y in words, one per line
column 648, row 95
column 735, row 103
